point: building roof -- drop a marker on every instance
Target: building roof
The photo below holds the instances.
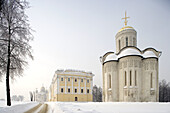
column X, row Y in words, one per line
column 74, row 72
column 131, row 51
column 126, row 27
column 111, row 57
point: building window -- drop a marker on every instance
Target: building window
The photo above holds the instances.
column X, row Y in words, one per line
column 61, row 90
column 134, row 42
column 76, row 99
column 81, row 90
column 110, row 84
column 68, row 90
column 130, row 78
column 75, row 90
column 68, row 79
column 62, row 79
column 75, row 79
column 151, row 81
column 126, row 41
column 125, row 79
column 87, row 80
column 81, row 80
column 119, row 45
column 87, row 90
column 135, row 78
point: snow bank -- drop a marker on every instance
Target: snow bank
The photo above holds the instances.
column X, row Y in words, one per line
column 109, row 107
column 4, row 103
column 17, row 107
column 93, row 107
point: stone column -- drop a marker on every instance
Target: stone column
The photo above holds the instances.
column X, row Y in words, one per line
column 91, row 83
column 72, row 85
column 79, row 85
column 65, row 85
column 85, row 85
column 58, row 82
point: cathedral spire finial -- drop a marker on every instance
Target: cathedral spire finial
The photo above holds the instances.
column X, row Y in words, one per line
column 125, row 19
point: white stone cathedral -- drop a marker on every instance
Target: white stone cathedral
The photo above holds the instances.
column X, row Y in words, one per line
column 130, row 74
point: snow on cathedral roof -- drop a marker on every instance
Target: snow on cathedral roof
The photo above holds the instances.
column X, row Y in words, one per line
column 149, row 54
column 131, row 51
column 111, row 57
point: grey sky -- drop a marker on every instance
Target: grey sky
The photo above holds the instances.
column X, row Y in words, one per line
column 73, row 34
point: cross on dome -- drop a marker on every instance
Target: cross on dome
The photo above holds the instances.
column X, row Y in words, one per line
column 125, row 19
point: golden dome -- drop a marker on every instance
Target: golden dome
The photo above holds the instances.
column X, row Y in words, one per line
column 126, row 27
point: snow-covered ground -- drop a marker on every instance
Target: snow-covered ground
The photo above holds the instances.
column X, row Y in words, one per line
column 109, row 107
column 16, row 106
column 4, row 103
column 91, row 107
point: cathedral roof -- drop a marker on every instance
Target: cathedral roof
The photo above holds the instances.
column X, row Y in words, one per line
column 111, row 57
column 132, row 51
column 129, row 51
column 126, row 27
column 42, row 89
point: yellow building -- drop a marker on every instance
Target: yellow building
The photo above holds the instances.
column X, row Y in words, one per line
column 71, row 85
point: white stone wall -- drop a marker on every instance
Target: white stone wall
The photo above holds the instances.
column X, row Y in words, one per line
column 110, row 94
column 130, row 33
column 130, row 93
column 150, row 66
column 142, row 92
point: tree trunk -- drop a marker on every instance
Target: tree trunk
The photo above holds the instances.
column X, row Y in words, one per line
column 8, row 88
column 7, row 84
column 8, row 71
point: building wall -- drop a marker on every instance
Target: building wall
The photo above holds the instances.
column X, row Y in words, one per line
column 140, row 89
column 110, row 69
column 71, row 97
column 150, row 68
column 72, row 81
column 130, row 64
column 121, row 36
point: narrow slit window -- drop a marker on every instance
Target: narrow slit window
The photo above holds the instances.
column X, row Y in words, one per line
column 134, row 42
column 130, row 78
column 135, row 78
column 126, row 41
column 125, row 79
column 110, row 81
column 119, row 45
column 151, row 81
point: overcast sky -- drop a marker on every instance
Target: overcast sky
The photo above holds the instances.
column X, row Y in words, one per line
column 73, row 34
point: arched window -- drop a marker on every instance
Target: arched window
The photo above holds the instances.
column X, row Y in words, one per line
column 135, row 78
column 130, row 78
column 134, row 42
column 151, row 81
column 126, row 41
column 110, row 84
column 119, row 45
column 125, row 79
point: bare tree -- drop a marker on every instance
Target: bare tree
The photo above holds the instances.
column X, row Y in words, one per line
column 14, row 97
column 31, row 96
column 97, row 94
column 164, row 91
column 1, row 4
column 21, row 98
column 15, row 35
